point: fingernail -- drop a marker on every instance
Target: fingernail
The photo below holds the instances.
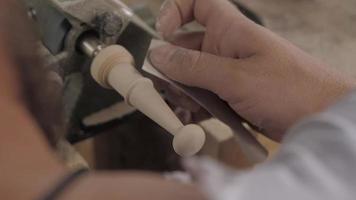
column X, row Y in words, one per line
column 164, row 18
column 158, row 28
column 165, row 4
column 160, row 56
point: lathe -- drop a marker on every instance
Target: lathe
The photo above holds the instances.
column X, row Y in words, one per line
column 95, row 46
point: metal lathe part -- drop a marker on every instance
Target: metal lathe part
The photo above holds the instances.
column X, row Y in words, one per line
column 130, row 14
column 90, row 46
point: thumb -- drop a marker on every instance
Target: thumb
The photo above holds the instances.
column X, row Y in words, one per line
column 194, row 68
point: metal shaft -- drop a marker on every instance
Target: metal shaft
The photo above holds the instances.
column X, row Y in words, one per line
column 90, row 45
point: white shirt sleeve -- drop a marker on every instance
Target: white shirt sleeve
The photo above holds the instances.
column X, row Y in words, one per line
column 317, row 161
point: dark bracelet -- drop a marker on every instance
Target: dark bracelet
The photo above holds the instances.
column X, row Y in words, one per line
column 64, row 184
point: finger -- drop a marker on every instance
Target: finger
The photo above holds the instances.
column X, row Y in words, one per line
column 195, row 68
column 176, row 13
column 190, row 40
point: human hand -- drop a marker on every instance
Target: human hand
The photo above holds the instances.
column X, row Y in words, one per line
column 266, row 79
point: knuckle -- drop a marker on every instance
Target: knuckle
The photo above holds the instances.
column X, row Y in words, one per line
column 187, row 66
column 197, row 62
column 182, row 60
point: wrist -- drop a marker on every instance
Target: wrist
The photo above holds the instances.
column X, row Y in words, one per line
column 339, row 86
